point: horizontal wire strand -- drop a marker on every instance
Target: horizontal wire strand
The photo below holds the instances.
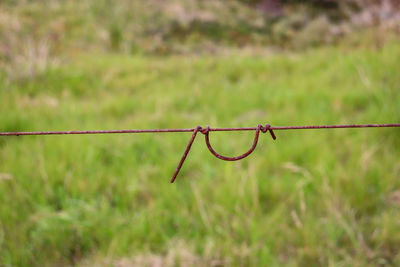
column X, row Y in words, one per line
column 275, row 128
column 205, row 132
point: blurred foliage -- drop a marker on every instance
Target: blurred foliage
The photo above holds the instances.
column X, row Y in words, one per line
column 176, row 26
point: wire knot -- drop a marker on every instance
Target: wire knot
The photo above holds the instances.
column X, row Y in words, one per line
column 204, row 130
column 266, row 128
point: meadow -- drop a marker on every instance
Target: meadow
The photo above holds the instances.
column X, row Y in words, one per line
column 310, row 198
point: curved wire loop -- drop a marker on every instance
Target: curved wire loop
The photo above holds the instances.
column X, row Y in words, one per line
column 207, row 138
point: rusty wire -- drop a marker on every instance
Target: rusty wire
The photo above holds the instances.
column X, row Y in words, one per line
column 206, row 132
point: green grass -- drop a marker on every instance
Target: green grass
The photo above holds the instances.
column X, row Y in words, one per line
column 310, row 198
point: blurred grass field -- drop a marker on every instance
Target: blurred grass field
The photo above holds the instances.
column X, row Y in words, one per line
column 310, row 198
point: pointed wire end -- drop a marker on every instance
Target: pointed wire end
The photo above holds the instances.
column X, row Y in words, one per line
column 272, row 134
column 185, row 154
column 176, row 172
column 175, row 175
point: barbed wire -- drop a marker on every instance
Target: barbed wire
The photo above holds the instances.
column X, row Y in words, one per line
column 206, row 131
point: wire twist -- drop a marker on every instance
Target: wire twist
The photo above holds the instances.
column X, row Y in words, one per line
column 206, row 132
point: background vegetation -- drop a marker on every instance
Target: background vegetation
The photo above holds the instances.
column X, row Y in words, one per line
column 310, row 198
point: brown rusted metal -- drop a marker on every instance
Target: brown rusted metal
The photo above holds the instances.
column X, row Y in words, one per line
column 195, row 131
column 192, row 129
column 255, row 141
column 206, row 131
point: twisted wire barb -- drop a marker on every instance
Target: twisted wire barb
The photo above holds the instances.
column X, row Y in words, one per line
column 206, row 132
